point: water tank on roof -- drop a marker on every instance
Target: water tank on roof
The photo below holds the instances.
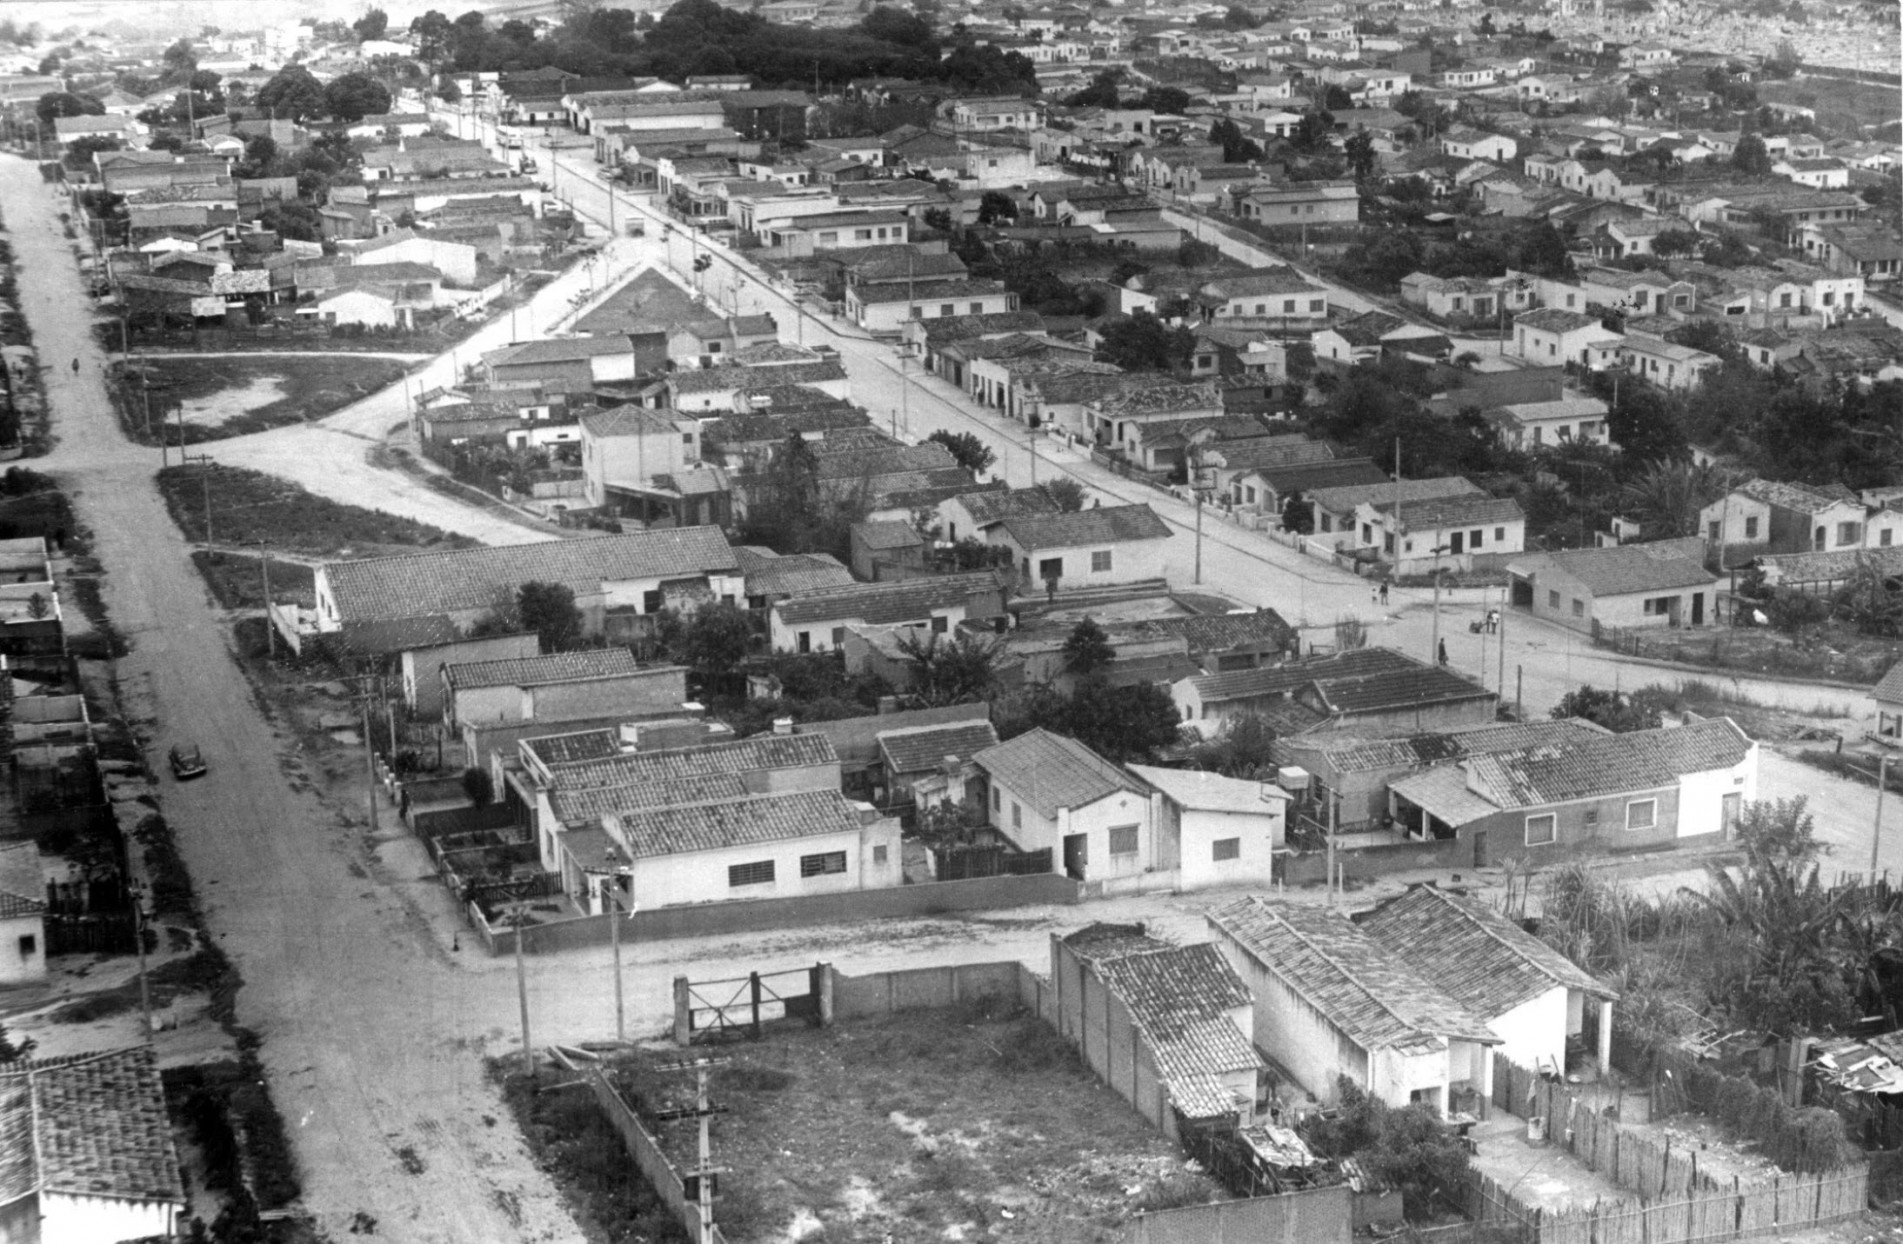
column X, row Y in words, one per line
column 1293, row 779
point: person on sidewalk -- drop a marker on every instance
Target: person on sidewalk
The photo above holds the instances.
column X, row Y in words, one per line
column 1443, row 652
column 1384, row 591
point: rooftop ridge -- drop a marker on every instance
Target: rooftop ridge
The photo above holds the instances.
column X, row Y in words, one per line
column 1337, row 964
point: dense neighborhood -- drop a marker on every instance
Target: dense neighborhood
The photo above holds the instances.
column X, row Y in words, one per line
column 704, row 621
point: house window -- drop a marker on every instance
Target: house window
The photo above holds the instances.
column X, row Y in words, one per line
column 1883, row 537
column 1579, row 607
column 823, row 863
column 1474, row 539
column 878, row 855
column 1657, row 606
column 997, row 800
column 687, row 440
column 1751, row 528
column 28, row 944
column 1049, row 568
column 1261, row 308
column 1642, row 814
column 1569, row 301
column 1017, row 815
column 940, row 624
column 1499, row 535
column 862, row 235
column 977, row 308
column 1288, row 306
column 1542, row 830
column 1849, row 533
column 1123, row 840
column 806, row 641
column 1100, row 562
column 839, row 636
column 760, row 873
column 1226, row 849
column 950, row 308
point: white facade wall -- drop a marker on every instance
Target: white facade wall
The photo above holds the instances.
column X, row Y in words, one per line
column 1533, row 1034
column 1395, row 1076
column 702, row 876
column 1701, row 796
column 1292, row 1032
column 1129, row 562
column 17, row 961
column 1259, row 837
column 71, row 1219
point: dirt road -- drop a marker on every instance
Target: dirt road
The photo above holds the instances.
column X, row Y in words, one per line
column 368, row 1038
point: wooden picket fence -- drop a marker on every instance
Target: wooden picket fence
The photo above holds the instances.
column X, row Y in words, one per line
column 1675, row 1200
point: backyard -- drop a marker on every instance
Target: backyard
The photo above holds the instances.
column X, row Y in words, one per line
column 972, row 1124
column 209, row 398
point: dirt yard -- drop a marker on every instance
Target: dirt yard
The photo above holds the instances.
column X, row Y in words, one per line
column 946, row 1125
column 250, row 508
column 231, row 395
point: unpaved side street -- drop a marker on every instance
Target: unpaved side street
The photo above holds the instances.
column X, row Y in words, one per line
column 364, row 1023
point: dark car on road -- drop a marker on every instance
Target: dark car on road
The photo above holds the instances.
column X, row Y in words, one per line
column 187, row 761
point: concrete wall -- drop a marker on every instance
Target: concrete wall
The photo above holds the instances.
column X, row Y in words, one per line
column 647, row 1155
column 21, row 960
column 649, row 692
column 919, row 989
column 1315, row 1216
column 704, row 919
column 1311, row 867
column 1095, row 821
column 1577, row 830
column 1701, row 796
column 1130, row 562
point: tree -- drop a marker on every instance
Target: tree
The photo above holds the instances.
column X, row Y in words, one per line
column 893, row 25
column 1783, row 62
column 1667, row 496
column 1359, row 149
column 354, row 96
column 972, row 454
column 1141, row 342
column 1614, row 710
column 56, row 104
column 958, row 670
column 1237, row 147
column 1101, row 93
column 1087, row 649
column 1243, row 748
column 1313, row 132
column 292, row 92
column 1409, row 1148
column 549, row 610
column 1065, row 493
column 714, row 643
column 1750, row 156
column 1675, row 242
column 80, row 151
column 1542, row 252
column 1297, row 514
column 1121, row 724
column 432, row 36
column 1166, row 99
column 479, row 786
column 995, row 206
column 180, row 61
column 371, row 26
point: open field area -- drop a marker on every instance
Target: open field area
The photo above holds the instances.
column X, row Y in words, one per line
column 1843, row 106
column 962, row 1124
column 231, row 396
column 250, row 508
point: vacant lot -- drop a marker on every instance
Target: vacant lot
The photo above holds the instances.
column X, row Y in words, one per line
column 936, row 1125
column 220, row 397
column 253, row 510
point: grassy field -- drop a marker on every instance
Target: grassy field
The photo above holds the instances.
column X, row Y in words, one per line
column 224, row 397
column 1842, row 106
column 250, row 509
column 959, row 1124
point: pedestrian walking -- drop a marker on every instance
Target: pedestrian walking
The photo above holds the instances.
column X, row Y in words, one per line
column 1384, row 591
column 1443, row 652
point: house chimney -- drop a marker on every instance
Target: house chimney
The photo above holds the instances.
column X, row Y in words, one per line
column 888, row 704
column 782, row 725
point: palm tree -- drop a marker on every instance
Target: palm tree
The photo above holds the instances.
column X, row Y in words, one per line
column 1667, row 496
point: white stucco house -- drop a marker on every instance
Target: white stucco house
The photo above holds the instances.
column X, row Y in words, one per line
column 1552, row 335
column 1217, row 831
column 1532, row 996
column 1109, row 544
column 1332, row 1001
column 1047, row 791
column 22, row 913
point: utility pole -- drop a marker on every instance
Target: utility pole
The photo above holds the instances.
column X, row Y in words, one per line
column 702, row 1111
column 519, row 921
column 138, row 931
column 204, row 478
column 270, row 627
column 622, row 869
column 1504, row 603
column 1876, row 828
column 369, row 759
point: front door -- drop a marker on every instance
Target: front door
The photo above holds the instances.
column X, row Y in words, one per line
column 1480, row 848
column 1698, row 608
column 1456, row 542
column 1732, row 809
column 1076, row 855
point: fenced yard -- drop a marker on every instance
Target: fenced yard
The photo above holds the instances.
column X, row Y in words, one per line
column 1833, row 651
column 1676, row 1195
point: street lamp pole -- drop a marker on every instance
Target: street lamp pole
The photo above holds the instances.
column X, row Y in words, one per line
column 1876, row 829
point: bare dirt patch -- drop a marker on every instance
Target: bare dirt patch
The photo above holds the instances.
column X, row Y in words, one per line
column 220, row 397
column 934, row 1125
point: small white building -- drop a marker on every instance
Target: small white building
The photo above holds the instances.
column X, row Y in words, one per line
column 1049, row 792
column 22, row 913
column 1665, row 363
column 1552, row 335
column 1109, row 544
column 1217, row 831
column 768, row 846
column 1331, row 1002
column 1532, row 996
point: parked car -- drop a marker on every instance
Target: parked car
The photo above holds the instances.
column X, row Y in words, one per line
column 187, row 761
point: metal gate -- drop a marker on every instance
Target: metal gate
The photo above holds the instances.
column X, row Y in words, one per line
column 725, row 1010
